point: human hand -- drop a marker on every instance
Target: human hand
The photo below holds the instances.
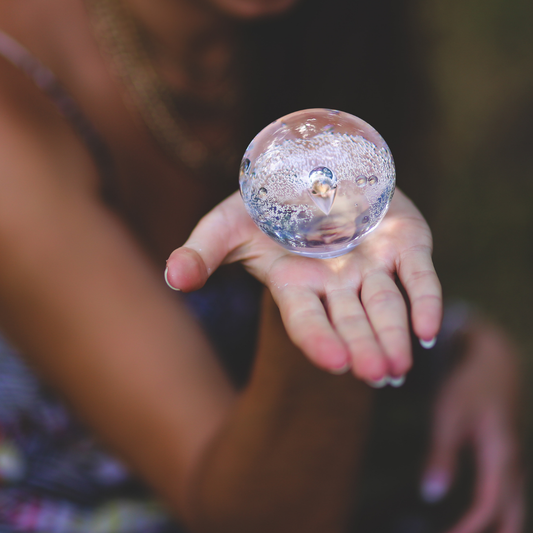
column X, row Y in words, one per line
column 346, row 312
column 478, row 406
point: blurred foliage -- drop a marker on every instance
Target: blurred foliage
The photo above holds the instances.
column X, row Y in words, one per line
column 480, row 61
column 479, row 58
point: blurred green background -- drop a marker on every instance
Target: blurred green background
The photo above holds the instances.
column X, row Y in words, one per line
column 479, row 59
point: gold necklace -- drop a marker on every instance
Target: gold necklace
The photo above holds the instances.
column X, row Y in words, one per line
column 153, row 99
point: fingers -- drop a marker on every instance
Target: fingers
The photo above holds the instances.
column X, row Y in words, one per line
column 308, row 327
column 375, row 343
column 374, row 340
column 440, row 467
column 387, row 313
column 216, row 235
column 494, row 453
column 514, row 512
column 186, row 270
column 418, row 276
column 351, row 323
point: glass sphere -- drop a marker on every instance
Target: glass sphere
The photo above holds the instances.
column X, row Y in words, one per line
column 317, row 181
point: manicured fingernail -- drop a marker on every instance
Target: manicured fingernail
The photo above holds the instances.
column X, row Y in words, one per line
column 434, row 486
column 341, row 370
column 168, row 283
column 397, row 382
column 428, row 344
column 380, row 383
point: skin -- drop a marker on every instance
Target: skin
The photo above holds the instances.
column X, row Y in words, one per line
column 477, row 408
column 343, row 313
column 281, row 467
column 83, row 298
column 82, row 295
column 251, row 9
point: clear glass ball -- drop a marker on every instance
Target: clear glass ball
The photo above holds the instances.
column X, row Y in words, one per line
column 317, row 181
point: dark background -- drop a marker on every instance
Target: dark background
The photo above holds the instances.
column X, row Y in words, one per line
column 480, row 65
column 449, row 85
column 476, row 58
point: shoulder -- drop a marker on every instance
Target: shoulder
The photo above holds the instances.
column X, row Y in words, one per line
column 40, row 153
column 32, row 123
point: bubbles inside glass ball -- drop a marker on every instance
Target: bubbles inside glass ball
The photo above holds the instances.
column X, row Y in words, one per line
column 317, row 181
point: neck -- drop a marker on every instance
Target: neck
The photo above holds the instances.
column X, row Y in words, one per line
column 192, row 44
column 179, row 26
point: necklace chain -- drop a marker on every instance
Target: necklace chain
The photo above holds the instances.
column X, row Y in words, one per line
column 152, row 98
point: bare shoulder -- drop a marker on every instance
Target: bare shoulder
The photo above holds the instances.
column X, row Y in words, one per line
column 43, row 162
column 38, row 147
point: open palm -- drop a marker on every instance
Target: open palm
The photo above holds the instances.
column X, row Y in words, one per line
column 346, row 312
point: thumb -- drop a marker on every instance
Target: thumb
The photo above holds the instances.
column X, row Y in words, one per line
column 442, row 459
column 218, row 233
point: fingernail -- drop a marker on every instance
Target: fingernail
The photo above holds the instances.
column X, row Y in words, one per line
column 434, row 486
column 397, row 382
column 341, row 370
column 379, row 384
column 168, row 283
column 428, row 344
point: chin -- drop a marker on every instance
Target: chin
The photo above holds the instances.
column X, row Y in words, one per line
column 252, row 9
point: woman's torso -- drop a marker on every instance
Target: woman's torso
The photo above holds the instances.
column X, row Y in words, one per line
column 160, row 199
column 57, row 471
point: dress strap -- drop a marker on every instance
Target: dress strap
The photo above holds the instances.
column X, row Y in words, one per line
column 45, row 79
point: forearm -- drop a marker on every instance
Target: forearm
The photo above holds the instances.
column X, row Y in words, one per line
column 96, row 321
column 287, row 459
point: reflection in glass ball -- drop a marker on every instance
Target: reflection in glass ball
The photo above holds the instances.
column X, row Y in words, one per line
column 317, row 181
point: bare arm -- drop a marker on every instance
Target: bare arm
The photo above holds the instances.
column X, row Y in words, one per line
column 85, row 306
column 287, row 459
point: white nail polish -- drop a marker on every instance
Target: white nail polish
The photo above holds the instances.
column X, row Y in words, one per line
column 166, row 279
column 434, row 486
column 379, row 384
column 428, row 344
column 397, row 382
column 341, row 370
